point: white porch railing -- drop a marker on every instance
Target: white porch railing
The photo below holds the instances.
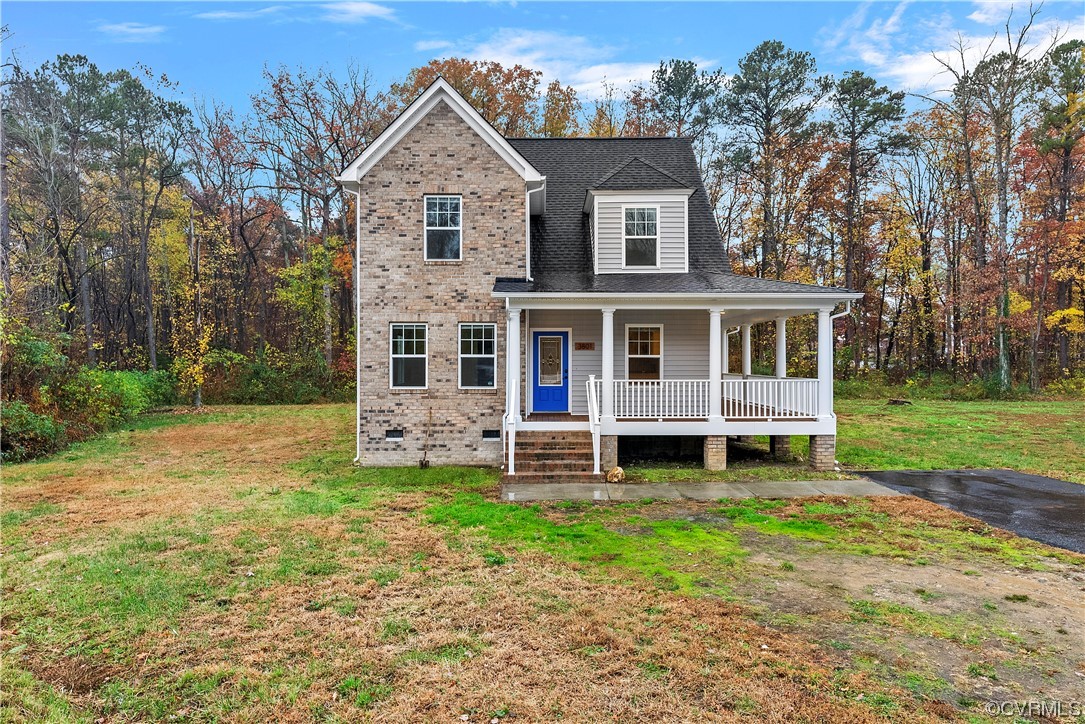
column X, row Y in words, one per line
column 744, row 398
column 778, row 398
column 661, row 399
column 594, row 421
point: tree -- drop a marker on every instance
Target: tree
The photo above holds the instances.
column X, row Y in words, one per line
column 769, row 103
column 560, row 111
column 506, row 97
column 864, row 115
column 685, row 100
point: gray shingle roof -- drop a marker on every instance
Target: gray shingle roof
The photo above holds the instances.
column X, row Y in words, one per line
column 695, row 282
column 636, row 174
column 561, row 257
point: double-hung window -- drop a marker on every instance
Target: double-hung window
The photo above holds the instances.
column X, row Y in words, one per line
column 644, row 352
column 640, row 236
column 444, row 228
column 408, row 356
column 478, row 356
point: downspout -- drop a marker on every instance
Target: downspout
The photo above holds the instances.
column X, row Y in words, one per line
column 838, row 315
column 527, row 230
column 357, row 324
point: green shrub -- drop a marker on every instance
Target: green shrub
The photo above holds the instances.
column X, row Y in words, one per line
column 269, row 377
column 1071, row 386
column 25, row 434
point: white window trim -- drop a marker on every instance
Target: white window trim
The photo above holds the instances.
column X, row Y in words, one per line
column 627, row 355
column 426, row 227
column 625, row 238
column 460, row 355
column 391, row 372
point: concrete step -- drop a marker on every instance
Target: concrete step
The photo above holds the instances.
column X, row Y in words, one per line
column 559, row 477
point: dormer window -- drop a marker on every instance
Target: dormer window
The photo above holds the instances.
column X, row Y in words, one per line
column 640, row 238
column 444, row 228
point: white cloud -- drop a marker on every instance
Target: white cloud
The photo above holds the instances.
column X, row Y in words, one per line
column 575, row 60
column 993, row 12
column 355, row 11
column 425, row 45
column 908, row 53
column 241, row 14
column 133, row 32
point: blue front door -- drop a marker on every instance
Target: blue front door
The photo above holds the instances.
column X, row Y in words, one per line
column 551, row 384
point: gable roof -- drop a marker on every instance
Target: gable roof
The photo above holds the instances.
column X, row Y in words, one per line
column 440, row 91
column 636, row 174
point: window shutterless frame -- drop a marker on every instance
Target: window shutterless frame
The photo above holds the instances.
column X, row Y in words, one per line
column 478, row 341
column 408, row 341
column 442, row 214
column 641, row 352
column 642, row 227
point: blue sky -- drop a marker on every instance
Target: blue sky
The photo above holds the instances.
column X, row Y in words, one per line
column 218, row 49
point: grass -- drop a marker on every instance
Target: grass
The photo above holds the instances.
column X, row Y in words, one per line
column 266, row 578
column 1041, row 437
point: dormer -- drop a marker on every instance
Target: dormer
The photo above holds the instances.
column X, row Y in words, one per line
column 639, row 220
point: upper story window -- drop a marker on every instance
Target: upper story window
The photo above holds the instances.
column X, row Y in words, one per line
column 640, row 236
column 408, row 356
column 444, row 228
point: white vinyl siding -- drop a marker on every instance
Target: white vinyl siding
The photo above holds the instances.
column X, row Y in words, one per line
column 685, row 356
column 609, row 239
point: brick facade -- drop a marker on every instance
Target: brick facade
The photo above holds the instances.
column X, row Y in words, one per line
column 608, row 452
column 715, row 452
column 440, row 155
column 780, row 447
column 823, row 452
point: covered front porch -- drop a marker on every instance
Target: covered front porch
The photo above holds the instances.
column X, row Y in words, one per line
column 665, row 367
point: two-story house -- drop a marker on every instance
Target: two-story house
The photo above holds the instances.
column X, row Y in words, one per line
column 527, row 302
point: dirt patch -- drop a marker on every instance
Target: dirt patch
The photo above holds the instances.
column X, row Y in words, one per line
column 453, row 636
column 171, row 471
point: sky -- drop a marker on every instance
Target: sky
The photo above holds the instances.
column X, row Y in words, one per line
column 218, row 50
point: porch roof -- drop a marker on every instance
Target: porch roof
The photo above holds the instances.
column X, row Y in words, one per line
column 700, row 283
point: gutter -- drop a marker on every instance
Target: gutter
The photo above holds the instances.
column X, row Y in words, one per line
column 357, row 321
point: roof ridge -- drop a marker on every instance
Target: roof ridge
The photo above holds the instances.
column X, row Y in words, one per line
column 611, row 175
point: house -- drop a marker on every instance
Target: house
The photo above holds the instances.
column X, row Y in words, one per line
column 531, row 302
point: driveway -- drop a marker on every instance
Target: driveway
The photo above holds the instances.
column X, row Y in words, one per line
column 1044, row 509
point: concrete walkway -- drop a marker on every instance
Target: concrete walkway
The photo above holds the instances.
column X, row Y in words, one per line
column 521, row 492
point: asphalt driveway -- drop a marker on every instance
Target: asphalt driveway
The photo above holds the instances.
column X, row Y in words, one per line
column 1044, row 509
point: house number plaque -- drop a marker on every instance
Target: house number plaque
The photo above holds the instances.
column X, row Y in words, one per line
column 586, row 346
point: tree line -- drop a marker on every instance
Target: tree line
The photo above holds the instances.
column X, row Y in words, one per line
column 144, row 232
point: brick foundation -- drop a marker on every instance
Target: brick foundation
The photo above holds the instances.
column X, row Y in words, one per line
column 780, row 447
column 823, row 452
column 715, row 452
column 608, row 452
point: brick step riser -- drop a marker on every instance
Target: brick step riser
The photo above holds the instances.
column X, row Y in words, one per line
column 556, row 455
column 551, row 468
column 559, row 478
column 553, row 450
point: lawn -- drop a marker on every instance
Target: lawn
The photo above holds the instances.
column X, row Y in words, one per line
column 1042, row 437
column 233, row 565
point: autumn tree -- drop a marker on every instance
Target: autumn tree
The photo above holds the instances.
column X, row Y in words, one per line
column 769, row 105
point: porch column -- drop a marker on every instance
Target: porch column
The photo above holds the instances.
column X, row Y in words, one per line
column 607, row 397
column 781, row 346
column 512, row 383
column 825, row 363
column 715, row 366
column 512, row 366
column 726, row 366
column 747, row 363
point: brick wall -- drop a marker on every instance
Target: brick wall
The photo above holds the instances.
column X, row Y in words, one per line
column 715, row 452
column 823, row 452
column 440, row 155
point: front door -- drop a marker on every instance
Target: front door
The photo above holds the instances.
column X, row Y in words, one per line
column 551, row 384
